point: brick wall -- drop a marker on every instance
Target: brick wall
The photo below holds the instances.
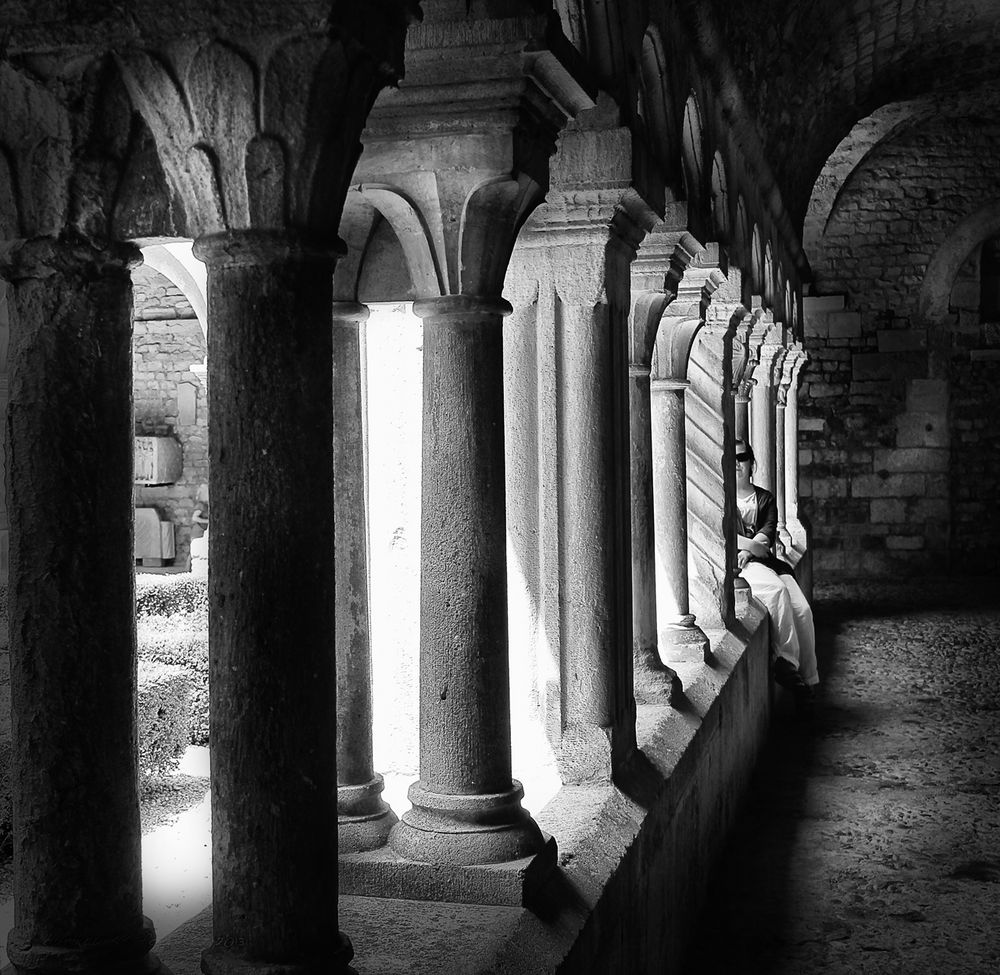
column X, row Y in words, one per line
column 170, row 399
column 900, row 462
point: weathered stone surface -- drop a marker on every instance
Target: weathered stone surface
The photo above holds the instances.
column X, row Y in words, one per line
column 73, row 681
column 871, row 835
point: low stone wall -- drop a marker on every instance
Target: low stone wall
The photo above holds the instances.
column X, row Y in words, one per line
column 634, row 860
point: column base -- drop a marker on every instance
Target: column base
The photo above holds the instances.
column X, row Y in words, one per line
column 363, row 819
column 384, row 873
column 741, row 596
column 220, row 960
column 466, row 830
column 684, row 642
column 123, row 956
column 653, row 681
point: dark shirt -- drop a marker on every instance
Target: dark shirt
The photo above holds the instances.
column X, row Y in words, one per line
column 766, row 522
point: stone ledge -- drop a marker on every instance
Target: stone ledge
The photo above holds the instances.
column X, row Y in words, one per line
column 383, row 873
column 634, row 858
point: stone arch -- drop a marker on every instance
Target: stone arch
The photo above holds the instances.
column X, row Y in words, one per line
column 742, row 232
column 178, row 265
column 692, row 148
column 720, row 199
column 660, row 113
column 935, row 291
column 756, row 260
column 768, row 282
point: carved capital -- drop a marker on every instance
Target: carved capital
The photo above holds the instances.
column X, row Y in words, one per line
column 64, row 138
column 658, row 273
column 457, row 157
column 69, row 255
column 263, row 133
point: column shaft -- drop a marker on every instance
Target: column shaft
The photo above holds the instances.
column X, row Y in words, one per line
column 646, row 658
column 364, row 820
column 743, row 413
column 679, row 637
column 271, row 594
column 784, row 538
column 466, row 807
column 762, row 434
column 791, row 433
column 78, row 892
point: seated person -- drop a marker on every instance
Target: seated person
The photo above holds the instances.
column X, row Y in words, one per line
column 793, row 637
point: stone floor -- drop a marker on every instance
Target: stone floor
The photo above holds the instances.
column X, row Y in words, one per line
column 871, row 841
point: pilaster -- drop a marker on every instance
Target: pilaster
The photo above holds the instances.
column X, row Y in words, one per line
column 579, row 247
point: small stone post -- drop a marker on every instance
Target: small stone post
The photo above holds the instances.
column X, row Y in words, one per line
column 363, row 819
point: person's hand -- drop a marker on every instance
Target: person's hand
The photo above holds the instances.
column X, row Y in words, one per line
column 742, row 557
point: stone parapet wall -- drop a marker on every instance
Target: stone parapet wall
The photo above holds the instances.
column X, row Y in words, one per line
column 634, row 861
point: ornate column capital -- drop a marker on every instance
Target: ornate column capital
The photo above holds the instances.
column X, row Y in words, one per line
column 64, row 143
column 457, row 157
column 261, row 131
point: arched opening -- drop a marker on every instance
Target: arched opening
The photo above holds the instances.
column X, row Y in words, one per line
column 720, row 199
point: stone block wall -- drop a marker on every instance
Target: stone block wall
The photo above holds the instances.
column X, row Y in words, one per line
column 899, row 461
column 170, row 399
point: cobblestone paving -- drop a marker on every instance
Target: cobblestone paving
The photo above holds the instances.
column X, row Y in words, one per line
column 871, row 841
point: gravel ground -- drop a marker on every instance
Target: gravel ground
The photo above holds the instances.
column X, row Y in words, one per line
column 871, row 841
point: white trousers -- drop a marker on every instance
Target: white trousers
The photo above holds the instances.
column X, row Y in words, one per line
column 793, row 635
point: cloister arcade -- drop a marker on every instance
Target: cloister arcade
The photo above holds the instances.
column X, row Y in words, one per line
column 596, row 211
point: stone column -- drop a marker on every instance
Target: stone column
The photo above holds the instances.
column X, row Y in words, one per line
column 74, row 781
column 489, row 131
column 744, row 390
column 363, row 819
column 780, row 456
column 466, row 807
column 797, row 358
column 656, row 275
column 271, row 596
column 680, row 639
column 652, row 678
column 262, row 174
column 762, row 399
column 677, row 631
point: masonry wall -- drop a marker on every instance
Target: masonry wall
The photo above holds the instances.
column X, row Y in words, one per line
column 898, row 460
column 170, row 399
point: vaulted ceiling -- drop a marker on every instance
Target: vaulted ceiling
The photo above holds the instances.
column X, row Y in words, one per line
column 811, row 69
